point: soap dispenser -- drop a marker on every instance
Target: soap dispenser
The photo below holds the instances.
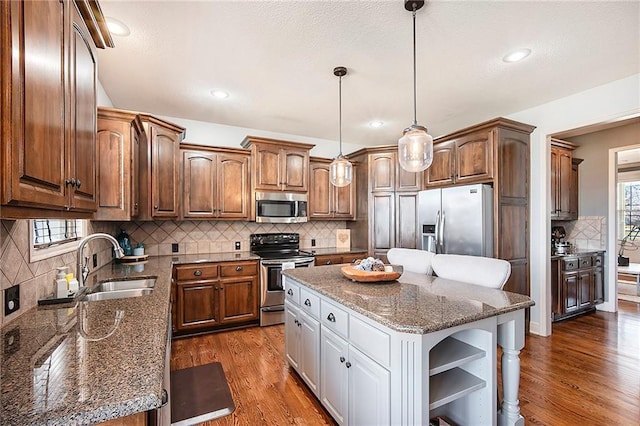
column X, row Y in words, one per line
column 61, row 283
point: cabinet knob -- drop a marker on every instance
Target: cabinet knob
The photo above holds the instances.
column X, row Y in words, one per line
column 342, row 359
column 215, row 287
column 290, row 292
column 221, row 288
column 295, row 321
column 348, row 364
column 78, row 183
column 239, row 268
column 155, row 207
column 71, row 182
column 328, row 262
column 136, row 204
column 197, row 272
column 331, row 317
column 307, row 302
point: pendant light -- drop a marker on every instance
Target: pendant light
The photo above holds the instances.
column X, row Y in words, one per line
column 340, row 170
column 415, row 147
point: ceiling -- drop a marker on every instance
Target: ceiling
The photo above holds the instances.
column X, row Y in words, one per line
column 276, row 60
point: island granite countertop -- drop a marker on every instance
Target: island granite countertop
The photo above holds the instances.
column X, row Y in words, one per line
column 415, row 303
column 74, row 364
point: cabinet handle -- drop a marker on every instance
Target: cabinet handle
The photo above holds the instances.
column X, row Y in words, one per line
column 328, row 262
column 197, row 272
column 155, row 207
column 295, row 321
column 221, row 288
column 215, row 287
column 136, row 204
column 71, row 182
column 307, row 302
column 331, row 317
column 342, row 359
column 290, row 292
column 348, row 364
column 239, row 268
column 165, row 398
column 78, row 184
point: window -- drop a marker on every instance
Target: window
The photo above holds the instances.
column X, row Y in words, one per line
column 52, row 237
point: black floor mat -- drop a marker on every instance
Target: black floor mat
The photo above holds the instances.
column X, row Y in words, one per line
column 199, row 394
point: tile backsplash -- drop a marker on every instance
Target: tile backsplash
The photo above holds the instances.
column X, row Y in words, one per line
column 192, row 237
column 588, row 232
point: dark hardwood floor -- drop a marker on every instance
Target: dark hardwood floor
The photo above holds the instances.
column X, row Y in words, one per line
column 586, row 373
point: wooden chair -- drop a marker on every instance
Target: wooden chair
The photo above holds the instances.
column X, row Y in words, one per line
column 484, row 271
column 411, row 260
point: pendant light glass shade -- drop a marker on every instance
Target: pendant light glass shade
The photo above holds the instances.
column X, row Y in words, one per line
column 415, row 147
column 340, row 170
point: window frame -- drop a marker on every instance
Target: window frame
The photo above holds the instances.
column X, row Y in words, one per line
column 37, row 254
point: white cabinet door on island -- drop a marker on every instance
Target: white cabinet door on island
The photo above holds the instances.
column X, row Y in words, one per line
column 401, row 353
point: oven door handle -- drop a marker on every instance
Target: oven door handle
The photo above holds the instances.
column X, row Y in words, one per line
column 297, row 262
column 279, row 308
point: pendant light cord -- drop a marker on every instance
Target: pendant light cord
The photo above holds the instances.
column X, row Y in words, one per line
column 415, row 115
column 340, row 113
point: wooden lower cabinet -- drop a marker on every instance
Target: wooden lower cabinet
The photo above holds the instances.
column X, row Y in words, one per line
column 211, row 296
column 336, row 259
column 577, row 284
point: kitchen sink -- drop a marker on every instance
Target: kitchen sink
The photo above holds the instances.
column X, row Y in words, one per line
column 119, row 289
column 116, row 294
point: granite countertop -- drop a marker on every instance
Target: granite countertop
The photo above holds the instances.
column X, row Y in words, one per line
column 333, row 250
column 54, row 371
column 415, row 303
column 577, row 252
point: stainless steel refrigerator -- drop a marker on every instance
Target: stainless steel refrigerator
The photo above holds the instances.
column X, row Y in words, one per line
column 457, row 220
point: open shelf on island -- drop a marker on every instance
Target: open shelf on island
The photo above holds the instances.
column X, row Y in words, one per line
column 451, row 353
column 451, row 385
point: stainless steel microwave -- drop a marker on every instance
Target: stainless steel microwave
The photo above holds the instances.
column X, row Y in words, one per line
column 281, row 207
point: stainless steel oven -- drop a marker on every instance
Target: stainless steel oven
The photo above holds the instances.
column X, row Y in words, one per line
column 277, row 251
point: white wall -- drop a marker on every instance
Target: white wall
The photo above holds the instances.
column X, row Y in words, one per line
column 102, row 98
column 604, row 103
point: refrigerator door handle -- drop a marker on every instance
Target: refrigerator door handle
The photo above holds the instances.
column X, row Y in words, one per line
column 437, row 232
column 441, row 232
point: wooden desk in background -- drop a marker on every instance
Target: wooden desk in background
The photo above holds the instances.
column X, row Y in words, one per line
column 632, row 269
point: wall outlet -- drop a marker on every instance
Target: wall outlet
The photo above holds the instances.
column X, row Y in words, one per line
column 95, row 260
column 237, row 245
column 174, row 247
column 11, row 299
column 313, row 242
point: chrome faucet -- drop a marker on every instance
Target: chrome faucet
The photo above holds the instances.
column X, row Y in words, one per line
column 83, row 262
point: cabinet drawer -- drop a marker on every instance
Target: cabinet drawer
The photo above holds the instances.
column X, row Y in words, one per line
column 597, row 260
column 196, row 272
column 330, row 259
column 334, row 318
column 350, row 258
column 238, row 269
column 310, row 303
column 570, row 264
column 370, row 340
column 291, row 292
column 584, row 262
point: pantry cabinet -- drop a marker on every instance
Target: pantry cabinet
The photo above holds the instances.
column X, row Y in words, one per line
column 215, row 183
column 159, row 169
column 214, row 295
column 326, row 201
column 117, row 155
column 49, row 107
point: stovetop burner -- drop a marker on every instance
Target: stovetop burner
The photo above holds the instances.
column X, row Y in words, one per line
column 278, row 246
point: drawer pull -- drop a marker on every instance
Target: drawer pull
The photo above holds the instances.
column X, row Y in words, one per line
column 348, row 364
column 239, row 268
column 307, row 302
column 290, row 292
column 331, row 317
column 342, row 359
column 197, row 272
column 328, row 262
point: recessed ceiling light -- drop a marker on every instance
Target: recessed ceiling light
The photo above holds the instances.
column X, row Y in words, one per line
column 117, row 28
column 376, row 123
column 220, row 94
column 517, row 55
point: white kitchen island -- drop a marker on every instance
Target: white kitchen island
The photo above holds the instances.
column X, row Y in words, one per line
column 401, row 353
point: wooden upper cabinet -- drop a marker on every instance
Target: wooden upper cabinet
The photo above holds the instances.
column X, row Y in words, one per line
column 159, row 177
column 382, row 172
column 564, row 178
column 465, row 159
column 48, row 108
column 215, row 183
column 278, row 165
column 117, row 155
column 325, row 200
